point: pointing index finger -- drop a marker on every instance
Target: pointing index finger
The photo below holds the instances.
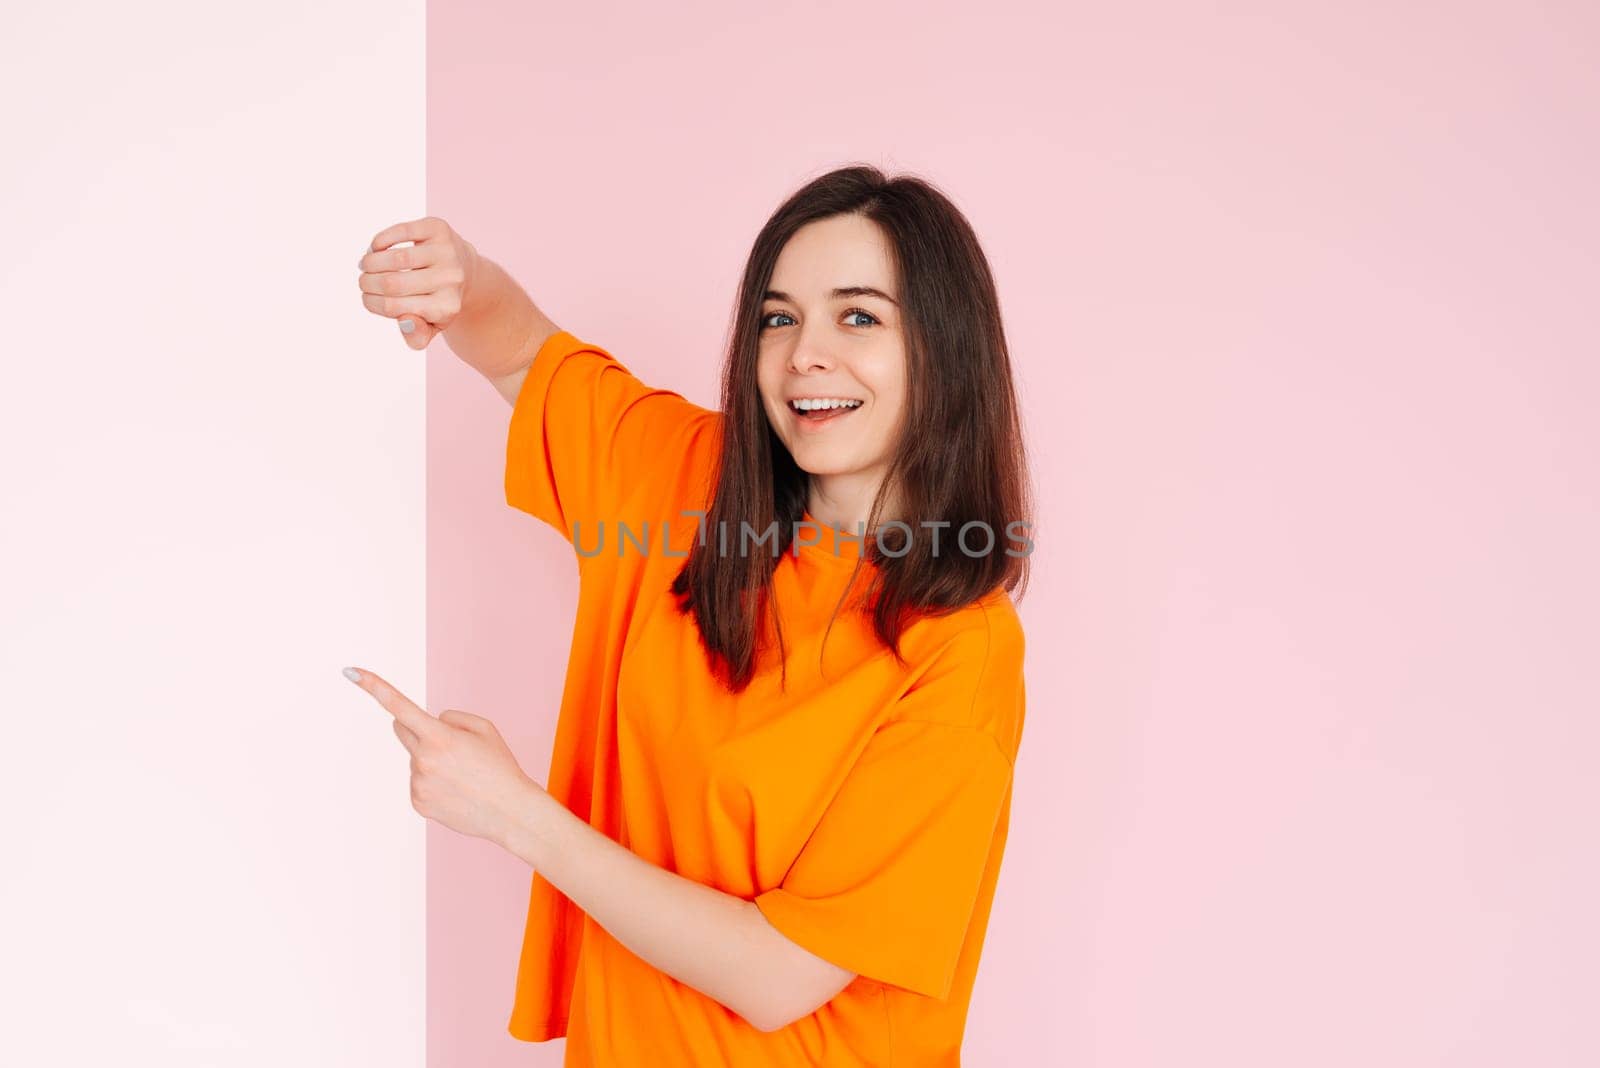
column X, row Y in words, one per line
column 396, row 703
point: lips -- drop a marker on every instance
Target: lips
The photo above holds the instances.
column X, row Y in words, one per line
column 822, row 417
column 792, row 401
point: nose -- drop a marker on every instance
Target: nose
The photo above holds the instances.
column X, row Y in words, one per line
column 807, row 357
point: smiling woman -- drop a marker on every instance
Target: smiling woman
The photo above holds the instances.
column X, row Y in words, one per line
column 781, row 779
column 873, row 290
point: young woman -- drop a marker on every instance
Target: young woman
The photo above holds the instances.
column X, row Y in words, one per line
column 781, row 783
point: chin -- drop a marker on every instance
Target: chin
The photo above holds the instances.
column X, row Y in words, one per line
column 815, row 466
column 822, row 467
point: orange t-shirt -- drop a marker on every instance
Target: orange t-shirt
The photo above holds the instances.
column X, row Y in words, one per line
column 863, row 807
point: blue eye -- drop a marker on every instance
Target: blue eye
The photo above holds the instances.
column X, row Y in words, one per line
column 765, row 324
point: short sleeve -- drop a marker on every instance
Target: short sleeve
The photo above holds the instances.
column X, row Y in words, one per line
column 886, row 884
column 585, row 433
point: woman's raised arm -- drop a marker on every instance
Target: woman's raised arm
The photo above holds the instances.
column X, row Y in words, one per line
column 584, row 433
column 500, row 328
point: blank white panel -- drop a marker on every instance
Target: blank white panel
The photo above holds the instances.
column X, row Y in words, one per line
column 213, row 500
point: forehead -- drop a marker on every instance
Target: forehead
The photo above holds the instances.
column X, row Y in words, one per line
column 845, row 250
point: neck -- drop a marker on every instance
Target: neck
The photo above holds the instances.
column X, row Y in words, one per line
column 844, row 501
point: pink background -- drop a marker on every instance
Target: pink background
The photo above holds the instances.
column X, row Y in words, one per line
column 1302, row 303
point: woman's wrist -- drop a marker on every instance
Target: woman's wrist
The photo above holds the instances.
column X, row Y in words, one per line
column 499, row 328
column 532, row 825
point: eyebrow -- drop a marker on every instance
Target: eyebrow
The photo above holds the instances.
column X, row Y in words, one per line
column 842, row 291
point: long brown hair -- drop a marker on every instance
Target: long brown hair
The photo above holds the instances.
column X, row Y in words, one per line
column 961, row 459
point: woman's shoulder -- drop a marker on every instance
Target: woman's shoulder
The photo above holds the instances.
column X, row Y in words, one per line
column 991, row 621
column 966, row 668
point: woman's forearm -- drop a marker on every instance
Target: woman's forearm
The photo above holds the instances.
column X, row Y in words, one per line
column 499, row 328
column 717, row 943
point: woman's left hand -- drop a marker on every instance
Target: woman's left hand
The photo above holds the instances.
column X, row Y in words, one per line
column 462, row 772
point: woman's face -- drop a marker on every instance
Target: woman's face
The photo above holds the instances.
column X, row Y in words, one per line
column 816, row 343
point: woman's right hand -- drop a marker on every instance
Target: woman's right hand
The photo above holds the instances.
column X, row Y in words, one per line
column 424, row 285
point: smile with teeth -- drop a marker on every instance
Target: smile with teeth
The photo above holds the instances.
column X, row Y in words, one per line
column 810, row 404
column 823, row 409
